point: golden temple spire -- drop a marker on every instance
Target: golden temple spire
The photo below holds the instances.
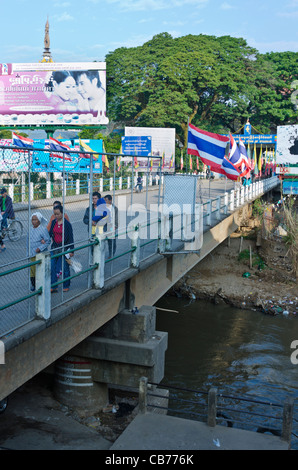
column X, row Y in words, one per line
column 46, row 57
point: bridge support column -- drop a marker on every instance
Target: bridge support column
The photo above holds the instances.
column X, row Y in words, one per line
column 74, row 386
column 123, row 350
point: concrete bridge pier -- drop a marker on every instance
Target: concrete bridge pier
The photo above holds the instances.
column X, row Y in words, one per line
column 118, row 354
column 75, row 387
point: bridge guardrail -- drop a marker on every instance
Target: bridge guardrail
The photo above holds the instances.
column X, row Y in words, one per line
column 213, row 211
column 213, row 407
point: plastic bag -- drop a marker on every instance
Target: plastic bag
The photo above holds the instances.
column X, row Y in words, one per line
column 74, row 264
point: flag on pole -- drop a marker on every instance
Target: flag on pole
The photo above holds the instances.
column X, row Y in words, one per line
column 249, row 157
column 105, row 157
column 172, row 161
column 20, row 141
column 181, row 161
column 245, row 164
column 163, row 161
column 229, row 170
column 56, row 146
column 234, row 153
column 256, row 171
column 86, row 148
column 208, row 146
column 260, row 160
column 118, row 163
column 190, row 162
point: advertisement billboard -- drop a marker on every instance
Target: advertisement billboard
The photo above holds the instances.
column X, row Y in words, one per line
column 287, row 145
column 53, row 93
column 163, row 145
column 290, row 187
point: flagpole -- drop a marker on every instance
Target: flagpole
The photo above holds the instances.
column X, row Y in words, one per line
column 114, row 182
column 187, row 133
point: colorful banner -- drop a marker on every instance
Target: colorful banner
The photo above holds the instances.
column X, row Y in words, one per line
column 46, row 161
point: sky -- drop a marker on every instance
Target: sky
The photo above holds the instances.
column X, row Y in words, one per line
column 86, row 30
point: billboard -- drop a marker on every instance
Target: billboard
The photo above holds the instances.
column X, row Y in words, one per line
column 290, row 187
column 287, row 145
column 47, row 161
column 163, row 145
column 136, row 145
column 67, row 94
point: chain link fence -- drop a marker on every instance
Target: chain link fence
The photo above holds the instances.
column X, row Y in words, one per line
column 79, row 259
column 77, row 194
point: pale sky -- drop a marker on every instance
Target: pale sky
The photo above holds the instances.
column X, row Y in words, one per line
column 86, row 30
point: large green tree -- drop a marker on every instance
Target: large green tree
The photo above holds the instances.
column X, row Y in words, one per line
column 215, row 83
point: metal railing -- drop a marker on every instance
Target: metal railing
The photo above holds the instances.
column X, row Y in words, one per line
column 214, row 408
column 97, row 269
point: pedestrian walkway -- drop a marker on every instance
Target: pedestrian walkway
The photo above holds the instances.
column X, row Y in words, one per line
column 162, row 432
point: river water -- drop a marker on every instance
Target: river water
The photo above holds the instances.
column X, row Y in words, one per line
column 240, row 352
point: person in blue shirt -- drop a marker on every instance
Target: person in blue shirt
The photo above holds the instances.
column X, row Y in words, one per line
column 101, row 216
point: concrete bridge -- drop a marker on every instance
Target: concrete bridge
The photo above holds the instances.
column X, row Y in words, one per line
column 106, row 334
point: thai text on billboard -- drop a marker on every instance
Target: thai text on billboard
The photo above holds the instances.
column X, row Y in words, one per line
column 66, row 94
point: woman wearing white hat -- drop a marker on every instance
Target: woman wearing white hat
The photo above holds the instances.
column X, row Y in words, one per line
column 39, row 241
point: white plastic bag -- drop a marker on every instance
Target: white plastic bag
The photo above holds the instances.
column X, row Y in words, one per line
column 74, row 264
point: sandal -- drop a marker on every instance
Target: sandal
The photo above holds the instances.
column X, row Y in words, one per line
column 54, row 290
column 66, row 289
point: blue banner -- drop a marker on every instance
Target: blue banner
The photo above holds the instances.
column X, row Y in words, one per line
column 290, row 187
column 73, row 162
column 256, row 138
column 137, row 145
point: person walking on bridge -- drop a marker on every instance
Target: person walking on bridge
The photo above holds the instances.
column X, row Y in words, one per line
column 58, row 225
column 39, row 241
column 101, row 217
column 95, row 196
column 7, row 212
column 55, row 203
column 112, row 226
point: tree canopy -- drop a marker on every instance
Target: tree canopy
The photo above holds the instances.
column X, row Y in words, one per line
column 214, row 82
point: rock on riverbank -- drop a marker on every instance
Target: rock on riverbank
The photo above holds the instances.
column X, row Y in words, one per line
column 226, row 275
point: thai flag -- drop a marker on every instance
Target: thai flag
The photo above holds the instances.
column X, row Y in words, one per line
column 245, row 164
column 234, row 155
column 229, row 169
column 208, row 146
column 58, row 146
column 20, row 141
